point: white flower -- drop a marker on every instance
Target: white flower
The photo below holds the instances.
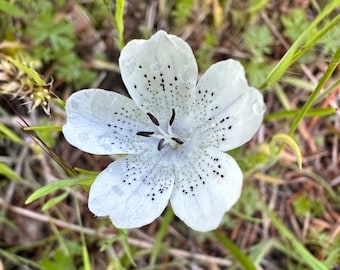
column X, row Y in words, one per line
column 174, row 131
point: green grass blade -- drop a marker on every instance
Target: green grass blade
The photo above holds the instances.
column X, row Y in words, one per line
column 123, row 239
column 305, row 256
column 45, row 190
column 312, row 98
column 86, row 257
column 325, row 93
column 158, row 245
column 55, row 200
column 290, row 57
column 9, row 134
column 333, row 258
column 87, row 172
column 298, row 82
column 242, row 258
column 282, row 97
column 84, row 250
column 8, row 172
column 317, row 36
column 259, row 251
column 43, row 128
column 287, row 251
column 278, row 115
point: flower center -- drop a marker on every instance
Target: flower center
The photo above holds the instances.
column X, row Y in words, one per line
column 165, row 137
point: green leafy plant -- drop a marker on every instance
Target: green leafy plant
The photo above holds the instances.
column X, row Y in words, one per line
column 295, row 22
column 259, row 39
column 53, row 40
column 303, row 205
column 182, row 11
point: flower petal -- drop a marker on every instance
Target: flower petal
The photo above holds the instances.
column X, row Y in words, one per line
column 231, row 110
column 104, row 122
column 160, row 74
column 133, row 191
column 207, row 185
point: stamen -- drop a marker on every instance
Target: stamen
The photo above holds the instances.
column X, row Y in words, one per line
column 172, row 119
column 164, row 137
column 161, row 144
column 179, row 141
column 153, row 119
column 145, row 133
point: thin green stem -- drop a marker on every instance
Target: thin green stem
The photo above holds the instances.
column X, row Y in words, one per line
column 120, row 22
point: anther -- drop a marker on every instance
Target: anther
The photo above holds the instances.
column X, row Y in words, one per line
column 153, row 119
column 177, row 140
column 145, row 133
column 172, row 119
column 161, row 144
